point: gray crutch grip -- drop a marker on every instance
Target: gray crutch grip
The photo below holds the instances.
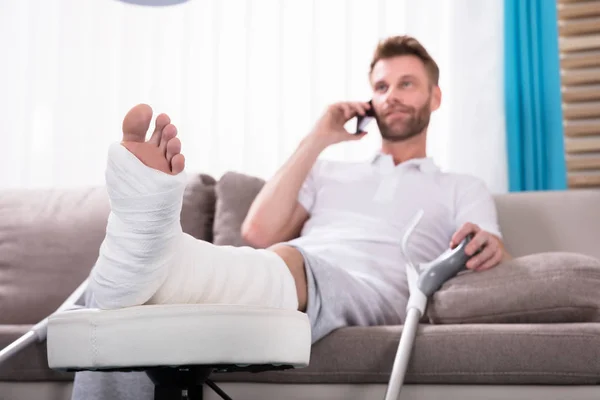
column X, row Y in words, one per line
column 443, row 268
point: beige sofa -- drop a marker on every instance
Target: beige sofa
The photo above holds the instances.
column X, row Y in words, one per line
column 529, row 331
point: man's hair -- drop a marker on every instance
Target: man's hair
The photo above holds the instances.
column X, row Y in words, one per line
column 406, row 45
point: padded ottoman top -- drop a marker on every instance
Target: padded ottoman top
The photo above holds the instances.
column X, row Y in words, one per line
column 176, row 335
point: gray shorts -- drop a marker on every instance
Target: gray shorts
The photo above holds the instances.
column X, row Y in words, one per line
column 337, row 299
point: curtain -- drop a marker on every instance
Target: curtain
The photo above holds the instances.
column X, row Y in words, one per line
column 243, row 80
column 535, row 140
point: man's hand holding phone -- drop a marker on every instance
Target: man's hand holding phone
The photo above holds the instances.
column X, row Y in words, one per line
column 330, row 129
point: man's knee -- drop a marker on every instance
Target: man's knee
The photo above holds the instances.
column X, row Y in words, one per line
column 295, row 263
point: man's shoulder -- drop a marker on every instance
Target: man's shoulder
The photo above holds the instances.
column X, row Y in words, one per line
column 461, row 181
column 461, row 177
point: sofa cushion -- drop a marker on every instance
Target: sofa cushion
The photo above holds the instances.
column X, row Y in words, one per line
column 444, row 354
column 554, row 287
column 198, row 208
column 49, row 241
column 235, row 194
column 452, row 354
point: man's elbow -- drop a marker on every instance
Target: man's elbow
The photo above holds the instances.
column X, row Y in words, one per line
column 255, row 235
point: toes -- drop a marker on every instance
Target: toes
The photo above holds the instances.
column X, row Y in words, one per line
column 177, row 163
column 136, row 123
column 173, row 148
column 168, row 133
column 161, row 121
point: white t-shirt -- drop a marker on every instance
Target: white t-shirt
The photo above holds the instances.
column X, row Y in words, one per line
column 359, row 213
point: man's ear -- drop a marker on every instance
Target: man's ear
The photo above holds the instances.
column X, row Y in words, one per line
column 436, row 97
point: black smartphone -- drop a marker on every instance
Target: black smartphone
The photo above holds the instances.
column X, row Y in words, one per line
column 363, row 121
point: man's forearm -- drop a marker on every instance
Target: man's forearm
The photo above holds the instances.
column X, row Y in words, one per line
column 274, row 206
column 275, row 214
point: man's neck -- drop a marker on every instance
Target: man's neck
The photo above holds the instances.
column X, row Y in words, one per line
column 414, row 147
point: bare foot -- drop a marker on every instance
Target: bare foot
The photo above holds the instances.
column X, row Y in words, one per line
column 163, row 150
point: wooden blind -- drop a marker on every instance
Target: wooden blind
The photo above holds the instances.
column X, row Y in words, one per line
column 579, row 45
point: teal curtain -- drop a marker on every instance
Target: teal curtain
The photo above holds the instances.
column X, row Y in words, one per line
column 535, row 141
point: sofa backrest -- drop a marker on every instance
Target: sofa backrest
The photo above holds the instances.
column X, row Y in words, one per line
column 49, row 241
column 534, row 222
column 531, row 222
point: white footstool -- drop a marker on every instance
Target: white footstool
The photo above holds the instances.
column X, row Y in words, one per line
column 179, row 346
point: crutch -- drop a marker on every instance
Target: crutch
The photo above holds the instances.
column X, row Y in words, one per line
column 38, row 332
column 423, row 281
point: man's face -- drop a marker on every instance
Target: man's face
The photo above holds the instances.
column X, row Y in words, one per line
column 403, row 97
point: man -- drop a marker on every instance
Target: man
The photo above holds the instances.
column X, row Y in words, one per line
column 351, row 217
column 327, row 233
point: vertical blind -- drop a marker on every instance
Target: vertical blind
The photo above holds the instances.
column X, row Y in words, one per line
column 579, row 31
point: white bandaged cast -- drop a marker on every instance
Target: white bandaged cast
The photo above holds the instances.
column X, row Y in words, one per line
column 145, row 257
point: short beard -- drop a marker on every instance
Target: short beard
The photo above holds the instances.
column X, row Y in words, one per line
column 413, row 126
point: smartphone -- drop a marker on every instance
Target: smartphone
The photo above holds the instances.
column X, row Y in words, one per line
column 363, row 121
